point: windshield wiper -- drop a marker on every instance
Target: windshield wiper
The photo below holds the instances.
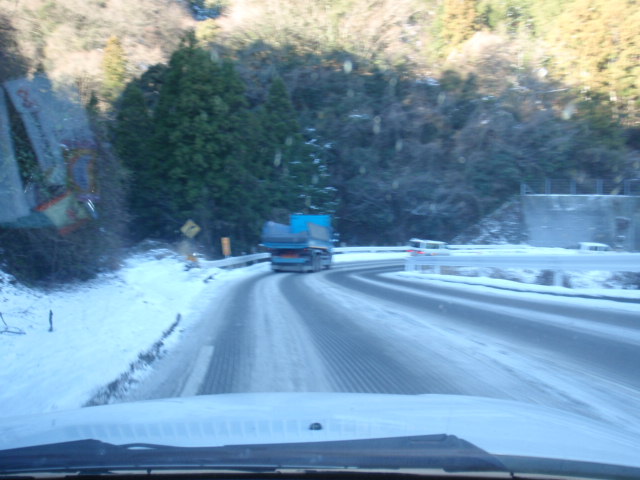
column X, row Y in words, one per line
column 443, row 452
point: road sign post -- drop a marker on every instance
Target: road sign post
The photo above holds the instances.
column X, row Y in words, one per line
column 226, row 246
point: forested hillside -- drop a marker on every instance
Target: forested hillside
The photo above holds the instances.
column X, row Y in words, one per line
column 401, row 117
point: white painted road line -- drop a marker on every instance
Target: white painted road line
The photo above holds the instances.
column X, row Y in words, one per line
column 194, row 382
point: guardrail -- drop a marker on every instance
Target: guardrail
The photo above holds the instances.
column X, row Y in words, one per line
column 491, row 247
column 260, row 257
column 236, row 261
column 370, row 249
column 606, row 261
column 612, row 262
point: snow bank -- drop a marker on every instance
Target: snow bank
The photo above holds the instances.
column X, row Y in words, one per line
column 587, row 284
column 99, row 329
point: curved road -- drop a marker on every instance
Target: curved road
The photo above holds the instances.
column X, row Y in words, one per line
column 361, row 328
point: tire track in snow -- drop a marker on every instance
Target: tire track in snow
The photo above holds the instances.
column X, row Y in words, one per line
column 262, row 346
column 519, row 321
column 500, row 353
column 230, row 346
column 357, row 359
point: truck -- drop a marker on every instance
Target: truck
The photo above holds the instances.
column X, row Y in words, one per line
column 305, row 245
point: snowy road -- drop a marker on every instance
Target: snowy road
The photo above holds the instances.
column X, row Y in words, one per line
column 363, row 328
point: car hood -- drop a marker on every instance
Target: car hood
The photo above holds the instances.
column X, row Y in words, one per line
column 499, row 427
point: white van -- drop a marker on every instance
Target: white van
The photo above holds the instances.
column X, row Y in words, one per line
column 417, row 246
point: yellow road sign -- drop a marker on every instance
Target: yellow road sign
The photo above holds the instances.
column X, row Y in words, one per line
column 190, row 229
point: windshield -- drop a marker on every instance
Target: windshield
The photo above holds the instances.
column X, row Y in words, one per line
column 356, row 218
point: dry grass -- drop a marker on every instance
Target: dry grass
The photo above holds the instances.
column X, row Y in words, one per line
column 67, row 37
column 375, row 30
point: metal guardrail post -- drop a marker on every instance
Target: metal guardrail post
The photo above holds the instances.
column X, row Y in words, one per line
column 558, row 277
column 629, row 186
column 410, row 265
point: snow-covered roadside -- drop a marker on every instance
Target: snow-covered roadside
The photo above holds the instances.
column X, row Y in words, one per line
column 99, row 329
column 591, row 281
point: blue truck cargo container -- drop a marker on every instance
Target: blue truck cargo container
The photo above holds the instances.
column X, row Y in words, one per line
column 305, row 245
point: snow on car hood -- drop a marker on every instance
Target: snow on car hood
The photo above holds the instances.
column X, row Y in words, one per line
column 499, row 427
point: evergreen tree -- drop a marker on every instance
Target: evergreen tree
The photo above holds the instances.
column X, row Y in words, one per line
column 282, row 136
column 200, row 123
column 130, row 135
column 132, row 127
column 296, row 175
column 114, row 67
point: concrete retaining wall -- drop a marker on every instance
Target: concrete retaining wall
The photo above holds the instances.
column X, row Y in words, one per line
column 565, row 220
